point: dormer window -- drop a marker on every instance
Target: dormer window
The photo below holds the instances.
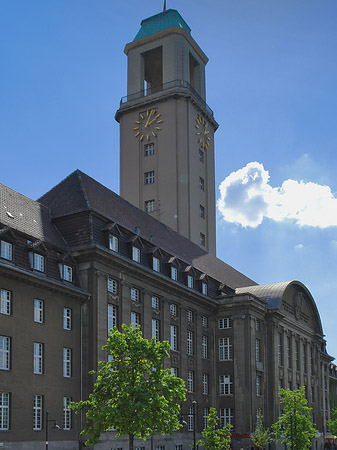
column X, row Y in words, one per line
column 190, row 281
column 113, row 243
column 204, row 288
column 67, row 273
column 156, row 264
column 39, row 262
column 6, row 250
column 136, row 254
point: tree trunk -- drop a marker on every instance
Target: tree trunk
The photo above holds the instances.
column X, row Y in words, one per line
column 131, row 441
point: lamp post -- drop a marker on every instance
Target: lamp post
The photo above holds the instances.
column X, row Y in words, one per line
column 194, row 415
column 54, row 427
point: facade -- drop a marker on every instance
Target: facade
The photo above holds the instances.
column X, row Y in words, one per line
column 82, row 259
column 333, row 386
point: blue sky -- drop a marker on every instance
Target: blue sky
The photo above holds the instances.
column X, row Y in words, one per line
column 271, row 81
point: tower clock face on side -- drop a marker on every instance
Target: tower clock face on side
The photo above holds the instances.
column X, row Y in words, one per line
column 202, row 132
column 148, row 125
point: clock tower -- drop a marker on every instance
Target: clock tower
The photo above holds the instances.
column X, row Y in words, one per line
column 167, row 130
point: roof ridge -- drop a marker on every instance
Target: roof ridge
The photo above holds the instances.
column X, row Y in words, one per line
column 86, row 198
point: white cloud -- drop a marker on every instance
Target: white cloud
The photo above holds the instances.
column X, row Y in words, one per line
column 299, row 246
column 246, row 198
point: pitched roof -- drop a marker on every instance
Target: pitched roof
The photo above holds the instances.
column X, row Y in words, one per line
column 79, row 192
column 161, row 21
column 28, row 216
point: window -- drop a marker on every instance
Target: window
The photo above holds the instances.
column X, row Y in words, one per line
column 205, row 383
column 204, row 288
column 225, row 385
column 178, row 447
column 149, row 177
column 174, row 273
column 38, row 262
column 174, row 338
column 190, row 281
column 279, row 349
column 67, row 273
column 205, row 413
column 66, row 413
column 6, row 250
column 4, row 411
column 257, row 350
column 204, row 321
column 38, row 358
column 202, row 239
column 174, row 371
column 155, row 302
column 202, row 183
column 288, row 349
column 304, row 360
column 136, row 254
column 149, row 206
column 112, row 286
column 190, row 419
column 201, row 156
column 135, row 319
column 190, row 381
column 112, row 317
column 225, row 323
column 149, row 149
column 297, row 355
column 66, row 318
column 257, row 326
column 202, row 212
column 226, row 416
column 173, row 309
column 5, row 302
column 156, row 264
column 155, row 329
column 258, row 385
column 189, row 342
column 204, row 347
column 67, row 362
column 5, row 352
column 225, row 349
column 189, row 315
column 38, row 311
column 113, row 243
column 134, row 294
column 37, row 413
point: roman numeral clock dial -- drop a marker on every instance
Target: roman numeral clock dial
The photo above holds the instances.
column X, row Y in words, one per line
column 148, row 125
column 202, row 132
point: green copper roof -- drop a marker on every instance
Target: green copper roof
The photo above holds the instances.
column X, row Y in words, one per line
column 161, row 21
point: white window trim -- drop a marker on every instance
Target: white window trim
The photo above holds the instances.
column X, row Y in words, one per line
column 4, row 410
column 5, row 352
column 113, row 243
column 136, row 254
column 38, row 358
column 66, row 414
column 67, row 357
column 67, row 316
column 38, row 311
column 6, row 302
column 112, row 316
column 6, row 250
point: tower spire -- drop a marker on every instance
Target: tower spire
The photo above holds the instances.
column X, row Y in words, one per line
column 164, row 8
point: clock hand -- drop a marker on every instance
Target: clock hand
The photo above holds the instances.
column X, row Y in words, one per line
column 148, row 119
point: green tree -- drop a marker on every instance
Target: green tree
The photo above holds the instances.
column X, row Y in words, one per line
column 261, row 436
column 294, row 427
column 133, row 393
column 215, row 438
column 333, row 421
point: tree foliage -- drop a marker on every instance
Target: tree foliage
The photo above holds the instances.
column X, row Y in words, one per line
column 294, row 426
column 132, row 392
column 333, row 421
column 215, row 438
column 261, row 436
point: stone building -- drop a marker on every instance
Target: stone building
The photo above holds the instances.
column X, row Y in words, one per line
column 82, row 259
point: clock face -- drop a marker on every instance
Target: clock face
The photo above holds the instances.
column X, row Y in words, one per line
column 202, row 132
column 148, row 125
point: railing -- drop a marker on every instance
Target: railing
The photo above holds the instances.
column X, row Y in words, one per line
column 165, row 87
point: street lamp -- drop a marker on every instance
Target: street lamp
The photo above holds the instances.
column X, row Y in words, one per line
column 194, row 415
column 54, row 427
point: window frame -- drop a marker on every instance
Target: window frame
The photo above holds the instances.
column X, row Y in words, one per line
column 156, row 329
column 5, row 353
column 136, row 254
column 174, row 337
column 113, row 243
column 190, row 281
column 38, row 311
column 38, row 413
column 225, row 385
column 67, row 273
column 67, row 318
column 6, row 251
column 149, row 206
column 38, row 358
column 134, row 319
column 225, row 349
column 6, row 302
column 39, row 262
column 155, row 302
column 149, row 177
column 174, row 273
column 149, row 149
column 189, row 342
column 4, row 411
column 112, row 316
column 135, row 294
column 156, row 264
column 67, row 362
column 67, row 419
column 112, row 286
column 204, row 346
